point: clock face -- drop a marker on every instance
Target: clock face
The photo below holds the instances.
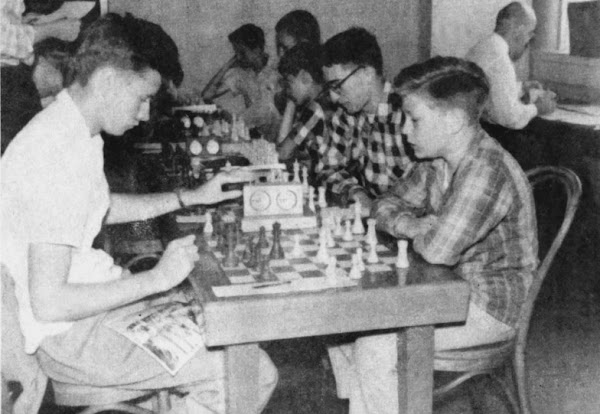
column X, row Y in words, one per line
column 286, row 199
column 199, row 121
column 212, row 147
column 260, row 200
column 195, row 147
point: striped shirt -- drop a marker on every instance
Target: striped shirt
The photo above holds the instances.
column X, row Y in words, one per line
column 486, row 226
column 16, row 38
column 364, row 151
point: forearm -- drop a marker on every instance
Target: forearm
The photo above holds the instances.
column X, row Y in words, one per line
column 125, row 208
column 71, row 302
column 213, row 88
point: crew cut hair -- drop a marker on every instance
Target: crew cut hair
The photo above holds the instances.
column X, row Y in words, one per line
column 305, row 57
column 355, row 46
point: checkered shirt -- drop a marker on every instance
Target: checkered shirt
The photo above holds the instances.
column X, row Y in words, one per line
column 16, row 38
column 310, row 129
column 486, row 226
column 364, row 151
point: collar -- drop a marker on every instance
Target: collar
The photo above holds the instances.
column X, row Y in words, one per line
column 74, row 115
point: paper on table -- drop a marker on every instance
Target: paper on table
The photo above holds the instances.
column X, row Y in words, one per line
column 69, row 9
column 297, row 285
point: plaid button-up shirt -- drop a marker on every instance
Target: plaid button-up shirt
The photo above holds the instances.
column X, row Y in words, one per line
column 364, row 151
column 16, row 38
column 486, row 226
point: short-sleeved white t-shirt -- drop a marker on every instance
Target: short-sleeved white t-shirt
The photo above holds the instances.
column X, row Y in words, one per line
column 53, row 191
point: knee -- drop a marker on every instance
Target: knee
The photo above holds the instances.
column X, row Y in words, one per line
column 267, row 372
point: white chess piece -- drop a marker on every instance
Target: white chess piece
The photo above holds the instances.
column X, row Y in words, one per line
column 331, row 270
column 358, row 227
column 402, row 260
column 228, row 167
column 322, row 254
column 348, row 233
column 297, row 250
column 355, row 272
column 339, row 231
column 359, row 259
column 371, row 232
column 311, row 198
column 208, row 226
column 305, row 179
column 322, row 201
column 329, row 235
column 296, row 178
column 372, row 258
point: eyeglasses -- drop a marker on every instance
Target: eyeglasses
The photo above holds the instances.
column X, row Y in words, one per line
column 336, row 84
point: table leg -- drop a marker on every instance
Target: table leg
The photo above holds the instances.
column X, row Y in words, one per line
column 241, row 378
column 415, row 370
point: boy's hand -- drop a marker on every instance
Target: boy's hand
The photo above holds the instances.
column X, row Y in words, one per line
column 176, row 263
column 212, row 192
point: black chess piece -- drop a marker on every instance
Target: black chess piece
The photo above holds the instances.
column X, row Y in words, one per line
column 262, row 238
column 230, row 260
column 277, row 250
column 247, row 255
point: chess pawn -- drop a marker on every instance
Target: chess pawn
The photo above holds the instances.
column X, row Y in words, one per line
column 225, row 127
column 371, row 232
column 402, row 260
column 358, row 227
column 296, row 172
column 359, row 259
column 297, row 249
column 355, row 272
column 322, row 201
column 208, row 226
column 276, row 250
column 305, row 179
column 331, row 270
column 373, row 258
column 348, row 233
column 228, row 167
column 262, row 238
column 322, row 254
column 338, row 230
column 311, row 198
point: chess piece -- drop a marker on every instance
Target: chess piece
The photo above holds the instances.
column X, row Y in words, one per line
column 247, row 255
column 276, row 250
column 311, row 198
column 338, row 230
column 305, row 179
column 262, row 238
column 372, row 258
column 322, row 254
column 330, row 270
column 359, row 259
column 371, row 232
column 208, row 226
column 296, row 178
column 355, row 272
column 358, row 227
column 216, row 129
column 329, row 236
column 263, row 270
column 230, row 259
column 348, row 233
column 402, row 259
column 322, row 201
column 297, row 250
column 228, row 167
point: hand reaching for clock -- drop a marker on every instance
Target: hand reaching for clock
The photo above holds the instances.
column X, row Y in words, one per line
column 212, row 191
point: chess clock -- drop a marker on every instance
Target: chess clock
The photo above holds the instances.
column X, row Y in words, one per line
column 273, row 199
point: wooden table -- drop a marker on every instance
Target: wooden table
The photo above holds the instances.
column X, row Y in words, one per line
column 432, row 295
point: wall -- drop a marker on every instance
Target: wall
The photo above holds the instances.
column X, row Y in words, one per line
column 200, row 27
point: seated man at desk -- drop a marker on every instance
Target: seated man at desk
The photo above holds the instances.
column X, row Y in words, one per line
column 248, row 74
column 467, row 204
column 511, row 103
column 300, row 68
column 365, row 152
column 55, row 198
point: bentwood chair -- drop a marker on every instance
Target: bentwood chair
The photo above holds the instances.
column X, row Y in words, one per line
column 504, row 362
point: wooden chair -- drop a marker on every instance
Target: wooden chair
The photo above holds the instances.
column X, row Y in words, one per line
column 19, row 367
column 504, row 362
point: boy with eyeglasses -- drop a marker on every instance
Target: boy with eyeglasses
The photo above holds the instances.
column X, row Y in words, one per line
column 365, row 153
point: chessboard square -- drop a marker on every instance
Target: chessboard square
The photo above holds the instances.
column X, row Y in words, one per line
column 385, row 252
column 344, row 257
column 278, row 263
column 298, row 260
column 378, row 267
column 305, row 267
column 241, row 279
column 311, row 273
column 282, row 268
column 236, row 271
column 292, row 275
column 388, row 260
column 348, row 245
column 337, row 251
column 346, row 264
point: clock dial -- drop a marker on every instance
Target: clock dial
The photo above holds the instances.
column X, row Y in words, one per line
column 199, row 121
column 212, row 147
column 195, row 147
column 286, row 199
column 260, row 200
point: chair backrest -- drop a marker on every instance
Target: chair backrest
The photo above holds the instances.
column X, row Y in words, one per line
column 572, row 188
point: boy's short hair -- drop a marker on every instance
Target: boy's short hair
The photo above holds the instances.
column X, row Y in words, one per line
column 248, row 35
column 448, row 82
column 57, row 52
column 301, row 25
column 305, row 57
column 127, row 43
column 354, row 46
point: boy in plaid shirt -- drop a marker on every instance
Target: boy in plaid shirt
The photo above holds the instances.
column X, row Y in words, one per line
column 465, row 204
column 301, row 72
column 365, row 153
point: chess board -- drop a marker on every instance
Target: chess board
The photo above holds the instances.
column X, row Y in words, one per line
column 305, row 266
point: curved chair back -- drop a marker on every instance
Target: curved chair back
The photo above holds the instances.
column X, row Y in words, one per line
column 572, row 188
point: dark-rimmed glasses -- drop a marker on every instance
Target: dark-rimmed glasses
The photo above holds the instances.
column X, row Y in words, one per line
column 335, row 85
